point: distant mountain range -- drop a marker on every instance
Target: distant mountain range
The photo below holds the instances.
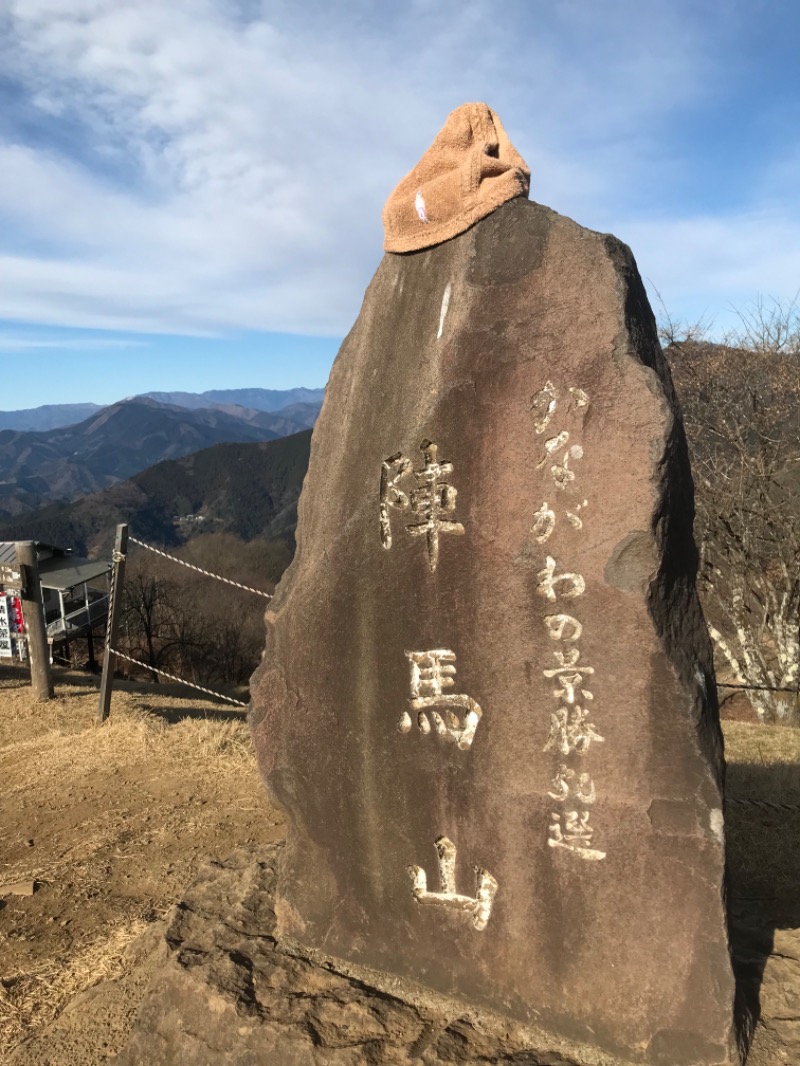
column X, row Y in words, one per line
column 258, row 399
column 50, row 416
column 53, row 416
column 116, row 442
column 247, row 489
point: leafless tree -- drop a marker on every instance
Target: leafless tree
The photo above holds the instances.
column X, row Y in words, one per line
column 190, row 625
column 741, row 403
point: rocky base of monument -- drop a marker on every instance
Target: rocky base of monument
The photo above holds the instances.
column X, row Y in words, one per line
column 227, row 992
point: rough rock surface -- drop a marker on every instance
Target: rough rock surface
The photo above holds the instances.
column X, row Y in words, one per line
column 486, row 703
column 227, row 993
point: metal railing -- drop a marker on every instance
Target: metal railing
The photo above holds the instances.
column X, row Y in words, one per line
column 76, row 621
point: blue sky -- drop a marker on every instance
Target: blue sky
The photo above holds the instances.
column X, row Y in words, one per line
column 191, row 192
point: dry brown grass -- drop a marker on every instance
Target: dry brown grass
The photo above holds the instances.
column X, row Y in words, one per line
column 765, row 745
column 38, row 995
column 120, row 818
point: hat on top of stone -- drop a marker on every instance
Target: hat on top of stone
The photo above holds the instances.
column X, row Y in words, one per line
column 468, row 172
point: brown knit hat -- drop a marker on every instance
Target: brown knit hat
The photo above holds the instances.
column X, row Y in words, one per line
column 469, row 171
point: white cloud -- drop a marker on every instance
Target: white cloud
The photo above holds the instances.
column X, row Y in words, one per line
column 227, row 163
column 718, row 266
column 11, row 343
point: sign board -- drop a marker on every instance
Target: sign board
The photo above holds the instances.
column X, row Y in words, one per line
column 6, row 650
column 12, row 626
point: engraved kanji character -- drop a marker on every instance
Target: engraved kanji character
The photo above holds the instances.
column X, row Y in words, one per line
column 431, row 501
column 478, row 906
column 552, row 445
column 562, row 473
column 544, row 403
column 574, row 518
column 575, row 835
column 580, row 730
column 571, row 731
column 569, row 674
column 431, row 673
column 574, row 790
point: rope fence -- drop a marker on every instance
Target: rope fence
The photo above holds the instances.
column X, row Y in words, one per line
column 760, row 688
column 199, row 569
column 114, row 602
column 173, row 677
column 783, row 808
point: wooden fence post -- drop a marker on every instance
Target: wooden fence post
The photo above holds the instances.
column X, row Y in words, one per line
column 112, row 626
column 35, row 626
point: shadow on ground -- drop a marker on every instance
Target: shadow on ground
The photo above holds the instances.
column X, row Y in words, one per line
column 173, row 715
column 763, row 842
column 73, row 683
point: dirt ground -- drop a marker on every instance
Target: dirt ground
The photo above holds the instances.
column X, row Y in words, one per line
column 108, row 826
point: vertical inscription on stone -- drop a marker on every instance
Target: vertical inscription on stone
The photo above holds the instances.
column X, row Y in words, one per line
column 437, row 710
column 571, row 733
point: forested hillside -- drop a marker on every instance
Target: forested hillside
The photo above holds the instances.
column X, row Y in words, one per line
column 250, row 490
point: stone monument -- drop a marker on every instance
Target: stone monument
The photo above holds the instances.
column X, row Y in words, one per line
column 487, row 702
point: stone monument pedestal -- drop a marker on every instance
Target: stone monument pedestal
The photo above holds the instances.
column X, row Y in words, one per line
column 228, row 992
